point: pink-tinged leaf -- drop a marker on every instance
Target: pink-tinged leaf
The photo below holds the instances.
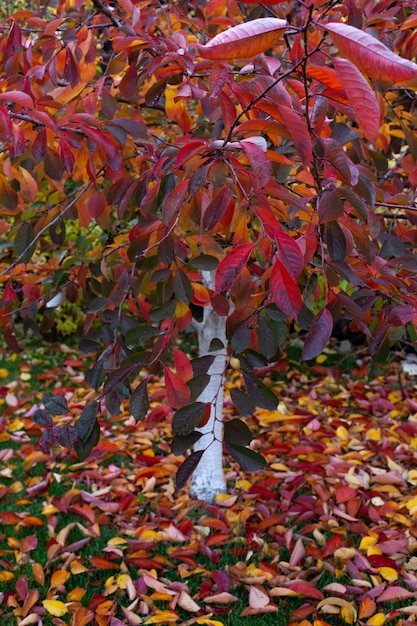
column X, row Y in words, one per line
column 178, row 393
column 258, row 598
column 289, row 253
column 18, row 97
column 361, row 97
column 231, row 265
column 335, row 153
column 214, row 212
column 284, row 290
column 244, row 40
column 259, row 161
column 402, row 314
column 305, row 589
column 370, row 55
column 329, row 206
column 298, row 553
column 318, row 335
column 395, row 593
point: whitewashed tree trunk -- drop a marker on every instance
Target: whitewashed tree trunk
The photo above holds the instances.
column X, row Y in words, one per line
column 208, row 478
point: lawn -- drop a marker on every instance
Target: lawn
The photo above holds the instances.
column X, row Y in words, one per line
column 325, row 535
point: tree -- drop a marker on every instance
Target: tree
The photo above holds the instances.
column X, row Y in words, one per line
column 224, row 168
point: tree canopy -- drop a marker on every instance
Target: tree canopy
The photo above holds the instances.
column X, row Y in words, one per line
column 159, row 159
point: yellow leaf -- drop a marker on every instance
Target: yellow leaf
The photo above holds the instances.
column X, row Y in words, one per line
column 122, row 581
column 209, row 621
column 388, row 573
column 25, row 376
column 59, row 577
column 412, row 476
column 116, row 541
column 15, row 425
column 376, row 620
column 77, row 567
column 164, row 617
column 366, row 542
column 5, row 576
column 372, row 550
column 3, row 372
column 412, row 504
column 245, row 485
column 374, row 434
column 321, row 358
column 55, row 607
column 342, row 432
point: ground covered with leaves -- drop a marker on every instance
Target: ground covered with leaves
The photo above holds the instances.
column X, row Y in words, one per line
column 325, row 535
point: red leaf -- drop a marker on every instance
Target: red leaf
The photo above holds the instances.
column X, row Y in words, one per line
column 305, row 589
column 361, row 97
column 244, row 40
column 183, row 365
column 370, row 55
column 174, row 202
column 297, row 128
column 98, row 563
column 66, row 156
column 18, row 97
column 231, row 265
column 178, row 393
column 340, row 160
column 259, row 161
column 216, row 209
column 284, row 291
column 355, row 312
column 289, row 253
column 96, row 203
column 9, row 294
column 318, row 335
column 329, row 206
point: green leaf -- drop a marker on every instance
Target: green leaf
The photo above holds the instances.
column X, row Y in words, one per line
column 248, row 459
column 181, row 443
column 139, row 401
column 188, row 417
column 57, row 405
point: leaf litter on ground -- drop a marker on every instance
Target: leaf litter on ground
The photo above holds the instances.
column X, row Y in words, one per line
column 326, row 534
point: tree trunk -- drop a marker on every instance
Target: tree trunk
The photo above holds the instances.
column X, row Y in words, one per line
column 208, row 478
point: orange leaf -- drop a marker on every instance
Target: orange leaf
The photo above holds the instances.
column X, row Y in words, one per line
column 367, row 607
column 99, row 563
column 59, row 577
column 178, row 393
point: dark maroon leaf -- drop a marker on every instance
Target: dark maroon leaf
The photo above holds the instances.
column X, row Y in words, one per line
column 187, row 468
column 181, row 443
column 56, row 405
column 243, row 403
column 139, row 401
column 188, row 417
column 248, row 459
column 42, row 417
column 318, row 335
column 236, row 431
column 85, row 422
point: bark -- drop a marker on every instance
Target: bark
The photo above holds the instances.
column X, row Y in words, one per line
column 208, row 478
